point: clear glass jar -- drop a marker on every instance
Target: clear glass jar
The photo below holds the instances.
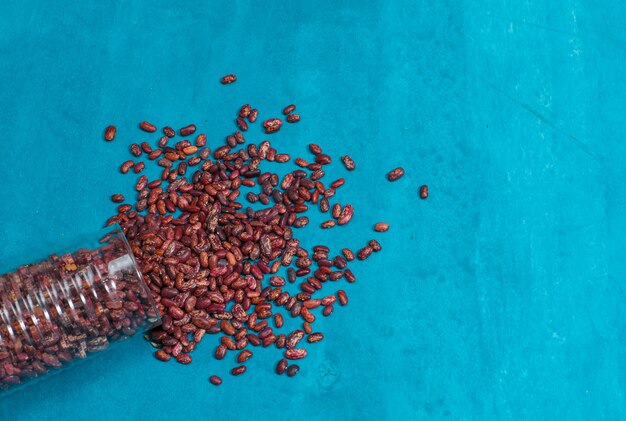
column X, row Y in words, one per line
column 70, row 306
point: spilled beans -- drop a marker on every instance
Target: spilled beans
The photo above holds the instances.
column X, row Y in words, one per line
column 213, row 263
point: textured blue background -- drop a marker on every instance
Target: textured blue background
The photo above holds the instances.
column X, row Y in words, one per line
column 500, row 297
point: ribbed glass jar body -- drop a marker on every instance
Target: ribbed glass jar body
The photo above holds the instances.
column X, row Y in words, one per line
column 70, row 306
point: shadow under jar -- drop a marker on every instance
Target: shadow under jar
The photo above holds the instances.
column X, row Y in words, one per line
column 70, row 306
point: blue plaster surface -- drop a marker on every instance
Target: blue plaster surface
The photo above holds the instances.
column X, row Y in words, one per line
column 500, row 297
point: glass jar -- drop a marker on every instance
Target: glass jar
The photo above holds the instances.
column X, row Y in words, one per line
column 70, row 306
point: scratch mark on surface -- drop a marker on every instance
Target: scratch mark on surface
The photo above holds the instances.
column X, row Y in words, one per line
column 581, row 145
column 587, row 32
column 545, row 28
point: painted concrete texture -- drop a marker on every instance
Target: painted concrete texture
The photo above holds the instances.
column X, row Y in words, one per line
column 499, row 297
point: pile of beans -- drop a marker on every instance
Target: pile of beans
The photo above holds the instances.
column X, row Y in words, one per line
column 213, row 263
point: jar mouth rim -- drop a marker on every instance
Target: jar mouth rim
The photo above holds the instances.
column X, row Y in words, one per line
column 117, row 229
